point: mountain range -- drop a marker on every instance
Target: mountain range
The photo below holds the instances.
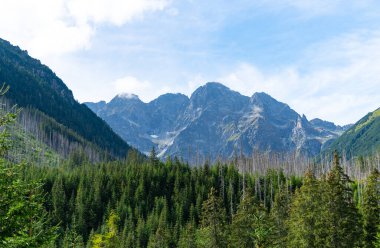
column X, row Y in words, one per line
column 215, row 122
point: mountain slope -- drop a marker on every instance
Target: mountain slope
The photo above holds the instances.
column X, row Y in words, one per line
column 214, row 122
column 363, row 138
column 33, row 85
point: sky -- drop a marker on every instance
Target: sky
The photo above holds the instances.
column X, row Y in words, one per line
column 322, row 57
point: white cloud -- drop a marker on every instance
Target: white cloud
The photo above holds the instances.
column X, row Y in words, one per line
column 337, row 80
column 131, row 84
column 146, row 91
column 55, row 27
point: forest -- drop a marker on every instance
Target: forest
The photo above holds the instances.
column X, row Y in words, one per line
column 263, row 201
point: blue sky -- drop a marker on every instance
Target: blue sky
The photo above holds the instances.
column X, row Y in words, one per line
column 322, row 57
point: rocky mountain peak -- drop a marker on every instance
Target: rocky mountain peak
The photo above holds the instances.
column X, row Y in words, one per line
column 214, row 121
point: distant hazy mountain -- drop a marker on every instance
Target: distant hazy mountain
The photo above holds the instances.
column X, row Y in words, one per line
column 214, row 122
column 50, row 111
column 362, row 138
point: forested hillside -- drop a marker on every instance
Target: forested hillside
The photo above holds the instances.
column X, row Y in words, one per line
column 362, row 139
column 153, row 204
column 35, row 87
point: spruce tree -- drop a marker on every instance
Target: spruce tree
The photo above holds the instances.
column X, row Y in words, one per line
column 161, row 238
column 110, row 237
column 153, row 159
column 72, row 239
column 304, row 227
column 250, row 225
column 371, row 209
column 212, row 233
column 340, row 216
column 279, row 216
column 59, row 202
column 187, row 237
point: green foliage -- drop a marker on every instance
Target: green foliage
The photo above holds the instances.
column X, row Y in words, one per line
column 110, row 236
column 213, row 222
column 187, row 238
column 279, row 216
column 341, row 218
column 371, row 209
column 305, row 226
column 24, row 221
column 251, row 226
column 174, row 205
column 323, row 212
column 361, row 139
column 377, row 242
column 153, row 157
column 72, row 239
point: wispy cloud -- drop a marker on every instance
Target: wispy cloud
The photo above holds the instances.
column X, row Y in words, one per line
column 144, row 89
column 336, row 80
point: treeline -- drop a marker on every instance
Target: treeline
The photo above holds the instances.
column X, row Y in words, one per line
column 152, row 204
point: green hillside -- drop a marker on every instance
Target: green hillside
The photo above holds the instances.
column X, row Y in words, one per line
column 26, row 147
column 363, row 138
column 34, row 86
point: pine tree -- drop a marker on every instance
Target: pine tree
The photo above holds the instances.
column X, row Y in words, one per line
column 72, row 239
column 110, row 238
column 213, row 223
column 250, row 225
column 153, row 157
column 187, row 237
column 59, row 201
column 371, row 209
column 161, row 237
column 304, row 227
column 279, row 217
column 340, row 217
column 142, row 235
column 24, row 220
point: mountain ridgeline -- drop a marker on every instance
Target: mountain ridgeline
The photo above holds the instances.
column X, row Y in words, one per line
column 54, row 114
column 215, row 122
column 361, row 139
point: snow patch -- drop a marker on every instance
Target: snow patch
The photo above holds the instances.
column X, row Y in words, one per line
column 132, row 123
column 250, row 118
column 256, row 112
column 128, row 96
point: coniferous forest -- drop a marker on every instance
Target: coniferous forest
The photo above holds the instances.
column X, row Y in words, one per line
column 143, row 202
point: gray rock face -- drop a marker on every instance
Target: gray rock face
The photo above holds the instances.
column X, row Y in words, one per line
column 215, row 122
